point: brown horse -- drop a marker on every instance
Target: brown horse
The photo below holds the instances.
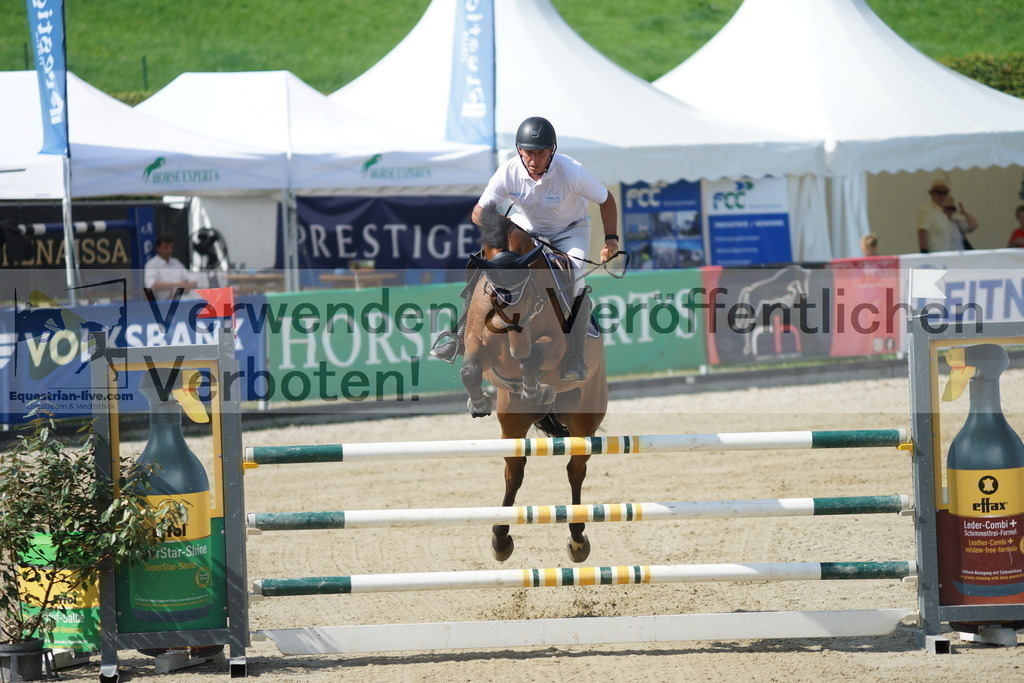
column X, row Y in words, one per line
column 516, row 335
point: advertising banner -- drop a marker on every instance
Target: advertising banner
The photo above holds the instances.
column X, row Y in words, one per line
column 761, row 315
column 866, row 311
column 648, row 323
column 748, row 222
column 662, row 226
column 372, row 345
column 471, row 101
column 980, row 285
column 46, row 26
column 393, row 232
column 45, row 350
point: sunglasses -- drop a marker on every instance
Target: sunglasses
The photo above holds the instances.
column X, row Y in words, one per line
column 940, row 191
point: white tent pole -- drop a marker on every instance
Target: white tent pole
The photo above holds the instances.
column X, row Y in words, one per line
column 70, row 254
column 291, row 215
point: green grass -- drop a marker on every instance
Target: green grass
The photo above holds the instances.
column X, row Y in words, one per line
column 329, row 43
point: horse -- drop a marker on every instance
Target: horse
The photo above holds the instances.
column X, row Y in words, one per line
column 515, row 338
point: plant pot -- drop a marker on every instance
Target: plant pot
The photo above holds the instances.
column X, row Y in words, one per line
column 25, row 661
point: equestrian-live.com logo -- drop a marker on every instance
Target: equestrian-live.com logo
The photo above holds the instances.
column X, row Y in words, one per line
column 158, row 172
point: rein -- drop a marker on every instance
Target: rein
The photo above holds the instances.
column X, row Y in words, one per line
column 556, row 250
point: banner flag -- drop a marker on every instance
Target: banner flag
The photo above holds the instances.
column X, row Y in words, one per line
column 46, row 26
column 471, row 102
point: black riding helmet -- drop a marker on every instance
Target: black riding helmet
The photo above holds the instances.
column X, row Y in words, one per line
column 536, row 133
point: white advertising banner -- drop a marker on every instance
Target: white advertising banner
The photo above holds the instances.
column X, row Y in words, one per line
column 747, row 222
column 968, row 287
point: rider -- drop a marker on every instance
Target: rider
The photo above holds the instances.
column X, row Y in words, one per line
column 550, row 192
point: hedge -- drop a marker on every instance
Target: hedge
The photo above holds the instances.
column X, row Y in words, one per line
column 1005, row 72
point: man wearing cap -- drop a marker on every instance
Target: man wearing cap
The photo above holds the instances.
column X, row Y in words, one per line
column 550, row 193
column 936, row 229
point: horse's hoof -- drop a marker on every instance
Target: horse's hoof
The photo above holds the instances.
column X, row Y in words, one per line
column 543, row 395
column 482, row 408
column 502, row 548
column 578, row 551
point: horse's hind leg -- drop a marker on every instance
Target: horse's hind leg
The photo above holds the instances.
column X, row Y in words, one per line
column 578, row 545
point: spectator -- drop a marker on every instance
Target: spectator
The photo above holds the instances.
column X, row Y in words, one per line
column 164, row 274
column 1017, row 236
column 939, row 228
column 869, row 244
column 962, row 221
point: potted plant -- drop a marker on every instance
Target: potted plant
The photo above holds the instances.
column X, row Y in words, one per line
column 49, row 490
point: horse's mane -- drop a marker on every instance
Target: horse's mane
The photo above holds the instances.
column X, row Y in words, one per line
column 494, row 227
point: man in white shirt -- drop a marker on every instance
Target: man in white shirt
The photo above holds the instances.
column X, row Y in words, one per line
column 164, row 275
column 550, row 192
column 940, row 225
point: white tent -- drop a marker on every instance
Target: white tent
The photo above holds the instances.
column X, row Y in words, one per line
column 833, row 70
column 619, row 126
column 328, row 147
column 116, row 150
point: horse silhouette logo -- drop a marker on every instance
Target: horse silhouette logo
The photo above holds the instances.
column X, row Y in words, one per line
column 774, row 301
column 372, row 161
column 157, row 163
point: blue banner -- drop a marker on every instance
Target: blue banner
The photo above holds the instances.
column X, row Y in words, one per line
column 45, row 351
column 46, row 26
column 662, row 225
column 750, row 239
column 471, row 101
column 748, row 222
column 399, row 233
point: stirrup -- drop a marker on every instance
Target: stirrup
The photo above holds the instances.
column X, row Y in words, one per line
column 575, row 377
column 438, row 349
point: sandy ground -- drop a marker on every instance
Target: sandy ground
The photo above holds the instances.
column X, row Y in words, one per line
column 700, row 476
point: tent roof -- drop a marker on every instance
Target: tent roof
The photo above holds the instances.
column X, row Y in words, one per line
column 116, row 150
column 832, row 69
column 618, row 125
column 328, row 145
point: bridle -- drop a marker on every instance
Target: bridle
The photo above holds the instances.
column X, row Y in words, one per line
column 504, row 297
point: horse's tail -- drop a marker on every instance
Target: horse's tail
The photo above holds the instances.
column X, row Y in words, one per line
column 552, row 426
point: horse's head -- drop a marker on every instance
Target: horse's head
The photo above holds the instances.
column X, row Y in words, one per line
column 508, row 274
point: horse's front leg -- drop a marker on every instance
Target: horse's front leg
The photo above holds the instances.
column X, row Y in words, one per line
column 578, row 545
column 472, row 373
column 534, row 391
column 502, row 544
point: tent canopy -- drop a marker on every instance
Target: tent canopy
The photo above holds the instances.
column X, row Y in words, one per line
column 116, row 150
column 831, row 69
column 329, row 147
column 619, row 126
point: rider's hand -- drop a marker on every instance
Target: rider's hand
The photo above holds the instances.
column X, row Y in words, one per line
column 610, row 248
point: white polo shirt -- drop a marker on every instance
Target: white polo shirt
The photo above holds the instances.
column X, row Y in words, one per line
column 158, row 269
column 552, row 203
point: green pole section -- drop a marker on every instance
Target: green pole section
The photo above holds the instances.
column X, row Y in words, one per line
column 860, row 438
column 838, row 571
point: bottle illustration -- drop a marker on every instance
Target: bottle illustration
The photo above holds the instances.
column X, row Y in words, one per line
column 984, row 532
column 176, row 589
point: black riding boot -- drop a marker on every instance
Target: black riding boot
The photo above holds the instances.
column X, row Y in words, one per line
column 450, row 343
column 574, row 368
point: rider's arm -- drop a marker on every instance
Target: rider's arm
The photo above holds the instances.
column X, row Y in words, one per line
column 477, row 214
column 610, row 220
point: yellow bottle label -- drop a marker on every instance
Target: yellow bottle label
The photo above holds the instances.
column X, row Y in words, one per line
column 986, row 493
column 33, row 592
column 197, row 524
